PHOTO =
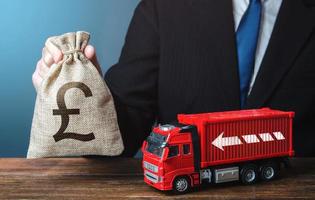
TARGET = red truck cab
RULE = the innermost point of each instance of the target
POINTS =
(168, 153)
(218, 147)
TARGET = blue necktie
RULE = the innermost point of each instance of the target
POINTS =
(246, 38)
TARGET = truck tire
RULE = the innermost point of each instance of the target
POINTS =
(269, 171)
(249, 174)
(181, 185)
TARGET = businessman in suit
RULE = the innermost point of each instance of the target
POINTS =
(193, 56)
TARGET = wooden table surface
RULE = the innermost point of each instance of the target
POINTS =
(121, 178)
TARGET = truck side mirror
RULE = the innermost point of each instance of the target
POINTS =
(165, 154)
(144, 144)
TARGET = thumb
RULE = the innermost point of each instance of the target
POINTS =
(90, 53)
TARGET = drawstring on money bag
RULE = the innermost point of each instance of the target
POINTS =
(71, 53)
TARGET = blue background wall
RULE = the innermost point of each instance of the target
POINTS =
(25, 25)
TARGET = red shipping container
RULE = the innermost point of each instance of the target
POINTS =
(236, 136)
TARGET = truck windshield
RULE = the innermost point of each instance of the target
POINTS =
(156, 144)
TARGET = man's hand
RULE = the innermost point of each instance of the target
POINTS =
(52, 56)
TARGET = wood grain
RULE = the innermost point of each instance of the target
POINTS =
(121, 178)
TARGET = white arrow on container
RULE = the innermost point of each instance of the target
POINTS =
(221, 142)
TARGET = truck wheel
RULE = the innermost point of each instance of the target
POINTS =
(269, 171)
(249, 174)
(181, 185)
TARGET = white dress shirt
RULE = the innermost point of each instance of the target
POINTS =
(270, 10)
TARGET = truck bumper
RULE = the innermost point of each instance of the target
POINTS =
(161, 185)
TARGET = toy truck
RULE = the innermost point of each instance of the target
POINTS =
(218, 147)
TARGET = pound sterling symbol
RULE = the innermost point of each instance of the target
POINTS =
(64, 113)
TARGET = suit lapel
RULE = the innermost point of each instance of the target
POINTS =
(228, 74)
(216, 18)
(292, 29)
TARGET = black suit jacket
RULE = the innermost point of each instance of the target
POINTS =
(180, 57)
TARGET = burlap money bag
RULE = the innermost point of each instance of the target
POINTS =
(74, 112)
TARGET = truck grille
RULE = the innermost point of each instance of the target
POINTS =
(150, 167)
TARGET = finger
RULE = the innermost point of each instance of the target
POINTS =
(55, 52)
(90, 53)
(41, 68)
(37, 80)
(47, 57)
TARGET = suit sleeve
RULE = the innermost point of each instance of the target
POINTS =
(133, 80)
